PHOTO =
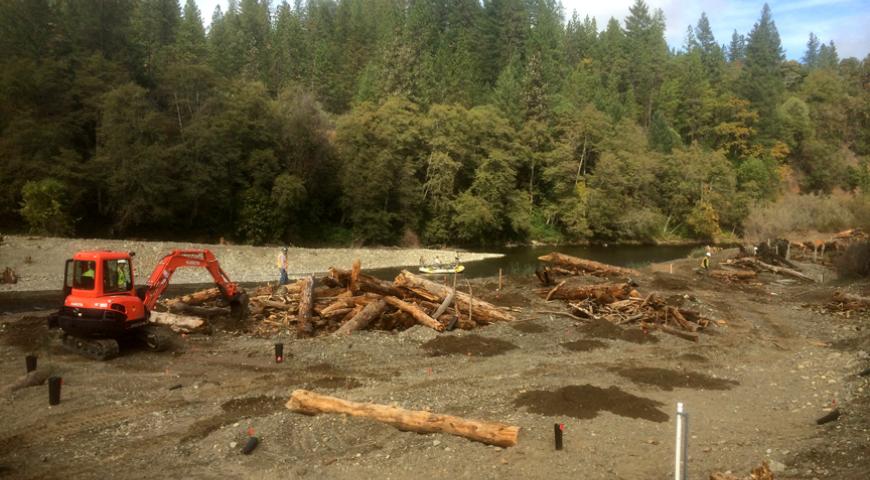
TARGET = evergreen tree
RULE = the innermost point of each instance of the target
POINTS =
(762, 79)
(712, 55)
(647, 53)
(737, 48)
(811, 57)
(828, 57)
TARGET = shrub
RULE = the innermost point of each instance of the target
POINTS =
(798, 214)
(44, 207)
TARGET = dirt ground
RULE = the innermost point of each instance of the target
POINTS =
(38, 261)
(753, 388)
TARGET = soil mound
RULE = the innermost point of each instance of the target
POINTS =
(585, 401)
(467, 345)
(670, 379)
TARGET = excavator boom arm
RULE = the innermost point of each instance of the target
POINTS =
(159, 279)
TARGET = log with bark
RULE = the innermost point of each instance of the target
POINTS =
(484, 312)
(306, 305)
(205, 312)
(419, 315)
(602, 293)
(195, 298)
(752, 262)
(731, 274)
(491, 433)
(180, 323)
(363, 282)
(363, 318)
(31, 379)
(580, 265)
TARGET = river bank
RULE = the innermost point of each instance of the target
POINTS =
(39, 261)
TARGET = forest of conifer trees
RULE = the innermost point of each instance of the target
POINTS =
(388, 121)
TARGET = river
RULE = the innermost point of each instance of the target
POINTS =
(524, 260)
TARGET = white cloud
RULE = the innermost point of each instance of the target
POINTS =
(843, 21)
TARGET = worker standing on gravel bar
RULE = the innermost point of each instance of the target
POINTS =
(705, 263)
(282, 267)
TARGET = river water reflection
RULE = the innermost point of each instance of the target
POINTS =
(524, 260)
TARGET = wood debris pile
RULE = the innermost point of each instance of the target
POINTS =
(815, 250)
(846, 304)
(349, 300)
(761, 472)
(622, 304)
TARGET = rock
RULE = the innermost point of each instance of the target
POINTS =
(776, 467)
(233, 444)
(419, 333)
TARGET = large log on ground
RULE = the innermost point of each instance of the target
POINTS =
(484, 312)
(491, 433)
(179, 323)
(731, 274)
(419, 315)
(196, 298)
(206, 312)
(36, 377)
(604, 294)
(781, 270)
(363, 318)
(306, 305)
(363, 282)
(587, 266)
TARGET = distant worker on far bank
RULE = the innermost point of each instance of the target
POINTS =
(705, 262)
(282, 267)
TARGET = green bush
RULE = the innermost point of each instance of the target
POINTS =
(541, 231)
(44, 207)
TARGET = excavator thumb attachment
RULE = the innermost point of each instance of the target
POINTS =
(239, 307)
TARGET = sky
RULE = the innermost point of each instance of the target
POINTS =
(846, 22)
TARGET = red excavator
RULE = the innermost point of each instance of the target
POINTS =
(102, 304)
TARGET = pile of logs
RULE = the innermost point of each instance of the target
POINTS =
(560, 264)
(349, 300)
(621, 304)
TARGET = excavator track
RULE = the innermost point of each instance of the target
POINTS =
(95, 348)
(155, 338)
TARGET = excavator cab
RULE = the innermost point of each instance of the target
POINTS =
(81, 274)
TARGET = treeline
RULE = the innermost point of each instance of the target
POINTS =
(385, 121)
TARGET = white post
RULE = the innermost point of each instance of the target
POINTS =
(680, 449)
